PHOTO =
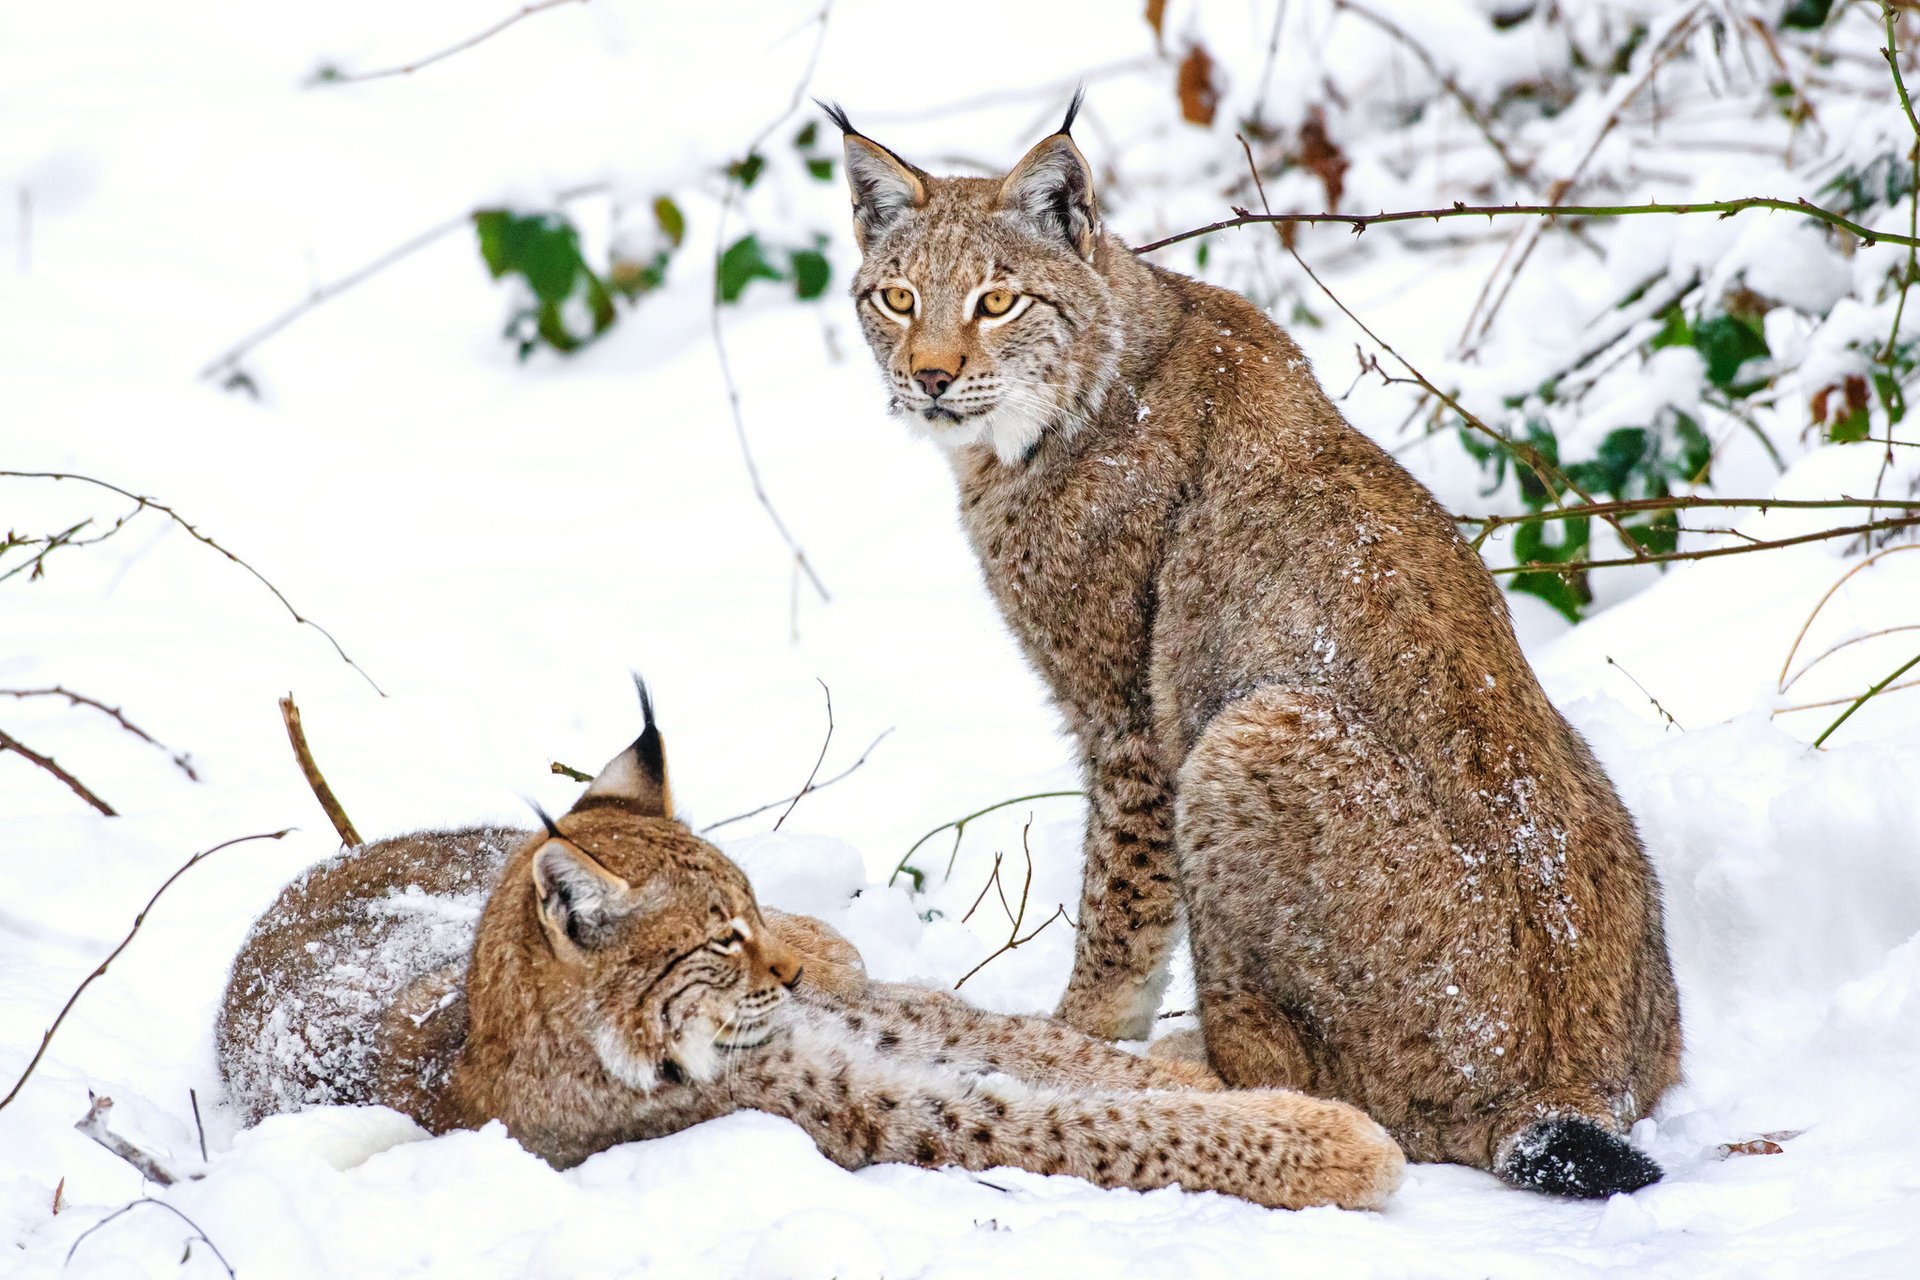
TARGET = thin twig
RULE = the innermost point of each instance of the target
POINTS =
(568, 771)
(138, 920)
(1891, 53)
(825, 742)
(1668, 715)
(1014, 941)
(316, 781)
(719, 336)
(1632, 506)
(94, 1125)
(1827, 595)
(959, 826)
(1837, 702)
(10, 743)
(162, 1204)
(1867, 697)
(1518, 169)
(180, 758)
(1709, 553)
(1849, 642)
(193, 1099)
(1361, 221)
(198, 536)
(359, 77)
(230, 358)
(822, 785)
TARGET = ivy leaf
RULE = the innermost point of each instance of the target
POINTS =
(742, 264)
(821, 167)
(673, 223)
(811, 273)
(1807, 15)
(808, 135)
(1726, 343)
(747, 172)
(543, 249)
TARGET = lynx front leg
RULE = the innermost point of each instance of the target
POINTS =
(1128, 902)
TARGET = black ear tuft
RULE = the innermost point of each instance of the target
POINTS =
(1073, 108)
(546, 819)
(649, 746)
(838, 114)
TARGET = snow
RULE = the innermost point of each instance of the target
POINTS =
(498, 544)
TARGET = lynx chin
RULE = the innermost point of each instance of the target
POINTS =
(1301, 710)
(623, 983)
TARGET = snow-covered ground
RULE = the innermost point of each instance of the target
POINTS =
(498, 544)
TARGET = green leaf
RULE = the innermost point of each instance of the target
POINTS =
(741, 265)
(1726, 343)
(1806, 15)
(821, 167)
(810, 273)
(673, 223)
(1200, 256)
(543, 249)
(1891, 397)
(1851, 428)
(1676, 332)
(807, 136)
(1555, 590)
(1696, 450)
(747, 172)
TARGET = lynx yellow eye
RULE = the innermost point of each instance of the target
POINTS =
(995, 302)
(898, 300)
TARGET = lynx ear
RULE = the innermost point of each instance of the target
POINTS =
(883, 185)
(1052, 190)
(579, 900)
(638, 775)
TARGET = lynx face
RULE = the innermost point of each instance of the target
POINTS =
(978, 296)
(661, 932)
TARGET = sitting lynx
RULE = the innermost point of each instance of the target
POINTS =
(1295, 688)
(624, 984)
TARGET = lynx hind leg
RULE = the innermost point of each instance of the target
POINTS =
(1129, 900)
(419, 1037)
(1319, 876)
(830, 964)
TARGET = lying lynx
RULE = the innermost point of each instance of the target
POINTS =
(1295, 688)
(624, 984)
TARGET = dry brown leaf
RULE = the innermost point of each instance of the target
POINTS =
(1751, 1147)
(1199, 97)
(1156, 18)
(1321, 156)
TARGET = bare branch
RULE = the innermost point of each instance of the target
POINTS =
(824, 744)
(331, 76)
(1667, 715)
(180, 758)
(94, 1125)
(1881, 687)
(316, 781)
(198, 536)
(1017, 916)
(138, 920)
(719, 337)
(198, 1234)
(10, 743)
(1710, 553)
(818, 786)
(568, 771)
(1827, 595)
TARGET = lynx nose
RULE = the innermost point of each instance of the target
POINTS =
(933, 381)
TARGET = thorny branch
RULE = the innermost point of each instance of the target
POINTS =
(113, 955)
(146, 502)
(719, 336)
(1359, 222)
(182, 759)
(1016, 916)
(10, 743)
(1571, 567)
(316, 781)
(331, 75)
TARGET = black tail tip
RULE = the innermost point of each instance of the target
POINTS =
(1571, 1156)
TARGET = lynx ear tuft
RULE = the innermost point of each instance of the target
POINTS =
(1052, 190)
(579, 900)
(638, 775)
(883, 186)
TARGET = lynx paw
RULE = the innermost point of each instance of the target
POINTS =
(1126, 1014)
